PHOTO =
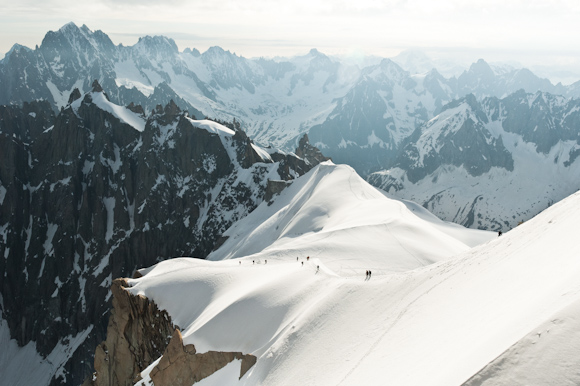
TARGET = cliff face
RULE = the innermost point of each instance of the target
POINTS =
(98, 191)
(138, 334)
(182, 366)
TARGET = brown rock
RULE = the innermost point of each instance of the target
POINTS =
(137, 334)
(189, 368)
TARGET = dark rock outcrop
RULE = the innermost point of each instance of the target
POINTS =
(85, 197)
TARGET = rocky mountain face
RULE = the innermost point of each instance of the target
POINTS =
(73, 57)
(368, 125)
(99, 190)
(493, 163)
(482, 81)
(385, 105)
(358, 115)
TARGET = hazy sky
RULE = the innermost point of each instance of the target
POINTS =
(531, 32)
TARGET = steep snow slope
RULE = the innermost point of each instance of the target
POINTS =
(328, 215)
(22, 366)
(450, 319)
(547, 355)
(434, 325)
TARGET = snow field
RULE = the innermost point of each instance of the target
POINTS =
(121, 112)
(416, 321)
(332, 214)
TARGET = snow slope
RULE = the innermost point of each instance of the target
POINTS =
(450, 318)
(22, 366)
(328, 215)
(436, 324)
(120, 112)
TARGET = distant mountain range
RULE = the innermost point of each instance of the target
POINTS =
(356, 115)
(366, 117)
(492, 163)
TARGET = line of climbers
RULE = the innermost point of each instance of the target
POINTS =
(367, 277)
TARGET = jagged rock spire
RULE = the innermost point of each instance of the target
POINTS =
(172, 108)
(76, 94)
(96, 86)
(309, 153)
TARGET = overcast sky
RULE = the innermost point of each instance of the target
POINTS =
(531, 32)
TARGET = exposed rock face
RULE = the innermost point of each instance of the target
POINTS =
(275, 187)
(308, 152)
(308, 156)
(182, 366)
(85, 198)
(461, 140)
(138, 334)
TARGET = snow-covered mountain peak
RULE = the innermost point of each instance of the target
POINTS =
(216, 54)
(329, 213)
(386, 71)
(17, 47)
(69, 28)
(322, 62)
(481, 67)
(414, 61)
(157, 47)
(480, 77)
(314, 52)
(98, 97)
(71, 49)
(314, 60)
(78, 37)
(192, 51)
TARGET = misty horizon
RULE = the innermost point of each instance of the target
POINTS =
(448, 61)
(539, 35)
